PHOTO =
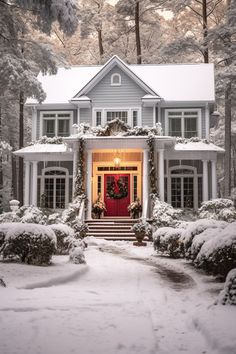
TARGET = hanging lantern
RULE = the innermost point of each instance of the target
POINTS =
(117, 161)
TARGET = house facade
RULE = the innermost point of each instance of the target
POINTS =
(82, 102)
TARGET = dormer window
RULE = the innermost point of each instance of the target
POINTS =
(115, 79)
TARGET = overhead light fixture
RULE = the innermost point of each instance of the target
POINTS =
(117, 159)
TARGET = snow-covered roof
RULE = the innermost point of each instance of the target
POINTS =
(177, 82)
(43, 148)
(197, 146)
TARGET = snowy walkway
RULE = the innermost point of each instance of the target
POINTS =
(120, 303)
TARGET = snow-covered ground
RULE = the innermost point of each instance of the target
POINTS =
(126, 300)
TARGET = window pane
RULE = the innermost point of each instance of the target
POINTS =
(122, 115)
(188, 192)
(63, 115)
(116, 79)
(49, 115)
(98, 118)
(176, 192)
(135, 118)
(49, 127)
(60, 193)
(48, 190)
(63, 127)
(190, 127)
(175, 127)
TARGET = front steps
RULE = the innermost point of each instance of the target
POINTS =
(115, 229)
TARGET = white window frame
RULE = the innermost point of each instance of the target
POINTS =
(112, 80)
(56, 118)
(66, 176)
(117, 109)
(199, 120)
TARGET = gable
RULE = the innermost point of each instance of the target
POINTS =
(128, 94)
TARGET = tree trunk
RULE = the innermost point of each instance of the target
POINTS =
(100, 45)
(205, 31)
(137, 34)
(1, 171)
(21, 145)
(228, 119)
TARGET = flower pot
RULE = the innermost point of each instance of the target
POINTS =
(140, 236)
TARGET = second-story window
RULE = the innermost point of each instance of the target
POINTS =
(56, 124)
(183, 123)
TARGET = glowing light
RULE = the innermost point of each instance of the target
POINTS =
(117, 161)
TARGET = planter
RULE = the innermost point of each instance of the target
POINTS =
(140, 236)
(14, 205)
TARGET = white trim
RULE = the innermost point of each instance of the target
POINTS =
(66, 176)
(104, 111)
(34, 123)
(182, 110)
(195, 176)
(56, 118)
(207, 120)
(112, 79)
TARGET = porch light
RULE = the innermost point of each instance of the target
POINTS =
(117, 161)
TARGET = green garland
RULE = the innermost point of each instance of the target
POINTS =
(151, 162)
(80, 176)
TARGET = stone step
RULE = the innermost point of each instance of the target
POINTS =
(113, 234)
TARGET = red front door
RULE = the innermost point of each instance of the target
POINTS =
(116, 194)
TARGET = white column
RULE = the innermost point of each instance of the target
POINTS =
(27, 183)
(205, 180)
(161, 174)
(34, 182)
(207, 119)
(213, 179)
(75, 161)
(145, 183)
(154, 115)
(34, 123)
(89, 183)
(78, 115)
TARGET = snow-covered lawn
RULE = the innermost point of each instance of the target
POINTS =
(126, 300)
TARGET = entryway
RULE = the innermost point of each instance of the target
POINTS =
(116, 194)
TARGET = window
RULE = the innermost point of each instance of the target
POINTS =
(55, 187)
(115, 79)
(56, 124)
(98, 118)
(135, 118)
(122, 115)
(183, 123)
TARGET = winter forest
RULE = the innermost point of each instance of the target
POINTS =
(43, 35)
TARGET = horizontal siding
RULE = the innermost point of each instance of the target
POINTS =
(147, 116)
(203, 123)
(86, 115)
(128, 94)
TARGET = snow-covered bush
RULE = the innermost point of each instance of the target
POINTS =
(32, 215)
(196, 228)
(29, 243)
(228, 294)
(54, 218)
(77, 255)
(9, 217)
(3, 231)
(164, 214)
(218, 255)
(218, 209)
(80, 229)
(166, 240)
(200, 239)
(70, 214)
(65, 238)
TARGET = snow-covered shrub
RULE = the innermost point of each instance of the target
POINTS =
(70, 214)
(32, 215)
(164, 214)
(195, 228)
(218, 209)
(200, 239)
(77, 255)
(166, 240)
(29, 243)
(228, 294)
(3, 231)
(54, 218)
(218, 255)
(9, 217)
(65, 238)
(80, 229)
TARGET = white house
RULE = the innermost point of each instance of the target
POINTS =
(179, 97)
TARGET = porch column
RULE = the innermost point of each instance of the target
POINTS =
(34, 182)
(27, 183)
(161, 174)
(75, 161)
(89, 183)
(205, 181)
(145, 184)
(213, 179)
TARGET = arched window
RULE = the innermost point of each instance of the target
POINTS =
(115, 79)
(55, 187)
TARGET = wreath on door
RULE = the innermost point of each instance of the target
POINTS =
(117, 190)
